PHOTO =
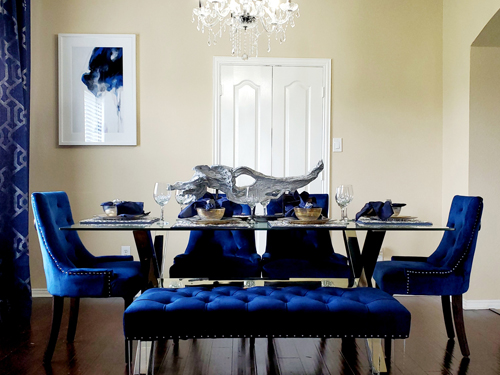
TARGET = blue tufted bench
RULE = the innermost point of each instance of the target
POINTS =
(265, 312)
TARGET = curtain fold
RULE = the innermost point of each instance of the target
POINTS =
(15, 285)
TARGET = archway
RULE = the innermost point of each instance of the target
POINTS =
(484, 136)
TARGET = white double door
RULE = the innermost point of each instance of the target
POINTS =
(273, 115)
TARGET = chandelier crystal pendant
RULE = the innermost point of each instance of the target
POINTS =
(246, 21)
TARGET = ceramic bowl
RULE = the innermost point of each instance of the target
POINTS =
(307, 214)
(110, 210)
(213, 214)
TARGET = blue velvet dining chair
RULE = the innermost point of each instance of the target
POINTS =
(72, 271)
(446, 272)
(302, 253)
(219, 254)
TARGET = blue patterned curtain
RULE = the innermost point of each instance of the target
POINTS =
(15, 288)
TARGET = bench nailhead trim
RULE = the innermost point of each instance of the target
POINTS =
(153, 338)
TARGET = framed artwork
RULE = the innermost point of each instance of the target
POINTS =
(97, 90)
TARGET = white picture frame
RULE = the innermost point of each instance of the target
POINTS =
(97, 90)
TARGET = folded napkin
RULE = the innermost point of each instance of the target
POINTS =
(126, 209)
(382, 210)
(302, 200)
(208, 202)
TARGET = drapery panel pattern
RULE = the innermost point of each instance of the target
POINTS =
(15, 286)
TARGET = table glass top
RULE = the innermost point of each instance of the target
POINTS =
(183, 225)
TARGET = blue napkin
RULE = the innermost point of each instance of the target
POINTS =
(127, 209)
(208, 202)
(380, 209)
(302, 200)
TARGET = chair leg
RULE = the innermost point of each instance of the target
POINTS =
(73, 319)
(448, 320)
(57, 310)
(458, 315)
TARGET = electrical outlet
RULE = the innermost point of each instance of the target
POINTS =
(125, 250)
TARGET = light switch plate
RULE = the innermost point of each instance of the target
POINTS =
(337, 144)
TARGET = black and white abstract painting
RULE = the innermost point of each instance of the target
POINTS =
(97, 90)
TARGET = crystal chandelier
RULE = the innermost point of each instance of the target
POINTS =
(246, 21)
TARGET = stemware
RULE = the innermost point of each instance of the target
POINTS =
(184, 200)
(264, 204)
(161, 195)
(344, 195)
(251, 199)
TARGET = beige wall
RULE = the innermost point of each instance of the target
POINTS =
(463, 21)
(484, 167)
(386, 105)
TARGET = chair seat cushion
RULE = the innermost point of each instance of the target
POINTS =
(422, 278)
(127, 277)
(334, 266)
(265, 311)
(215, 267)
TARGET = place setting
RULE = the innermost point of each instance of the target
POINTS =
(387, 213)
(119, 212)
(211, 210)
(303, 210)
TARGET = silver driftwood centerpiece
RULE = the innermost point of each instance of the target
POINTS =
(223, 178)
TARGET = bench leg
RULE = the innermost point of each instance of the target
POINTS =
(376, 355)
(144, 357)
(128, 355)
(388, 347)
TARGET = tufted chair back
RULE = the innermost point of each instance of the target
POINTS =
(298, 253)
(299, 243)
(234, 243)
(456, 249)
(218, 254)
(61, 250)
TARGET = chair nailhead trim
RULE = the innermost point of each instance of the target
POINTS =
(409, 272)
(107, 273)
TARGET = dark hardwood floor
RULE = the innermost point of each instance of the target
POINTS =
(99, 347)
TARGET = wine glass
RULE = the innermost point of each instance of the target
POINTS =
(162, 196)
(264, 204)
(344, 196)
(184, 199)
(252, 198)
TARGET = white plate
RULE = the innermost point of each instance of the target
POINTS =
(305, 222)
(115, 218)
(227, 220)
(401, 218)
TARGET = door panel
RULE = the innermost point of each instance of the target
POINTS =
(298, 122)
(245, 117)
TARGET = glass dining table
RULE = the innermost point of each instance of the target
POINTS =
(362, 259)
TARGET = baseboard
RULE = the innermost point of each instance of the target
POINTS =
(485, 304)
(43, 293)
(40, 292)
